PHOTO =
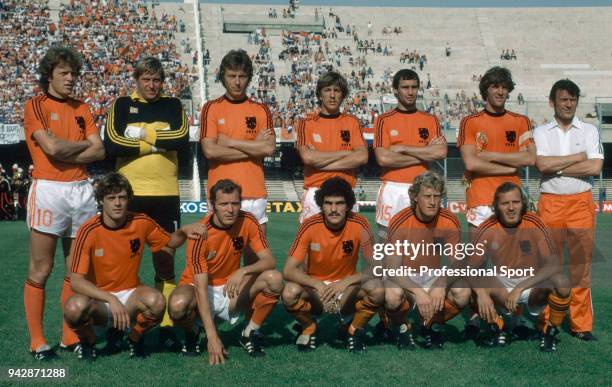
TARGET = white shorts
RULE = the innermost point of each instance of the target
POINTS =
(122, 296)
(59, 208)
(476, 215)
(310, 207)
(219, 305)
(257, 207)
(511, 283)
(392, 198)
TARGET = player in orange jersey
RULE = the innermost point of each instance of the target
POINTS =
(330, 143)
(105, 264)
(494, 143)
(237, 134)
(215, 286)
(406, 140)
(515, 239)
(62, 138)
(438, 232)
(328, 280)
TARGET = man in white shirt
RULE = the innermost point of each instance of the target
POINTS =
(569, 154)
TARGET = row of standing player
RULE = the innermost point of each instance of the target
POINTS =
(145, 130)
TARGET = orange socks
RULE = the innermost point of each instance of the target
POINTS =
(558, 308)
(69, 337)
(263, 304)
(34, 302)
(143, 324)
(364, 311)
(301, 312)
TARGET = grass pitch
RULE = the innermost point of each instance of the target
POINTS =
(521, 363)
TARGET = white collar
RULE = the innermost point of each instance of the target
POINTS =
(576, 123)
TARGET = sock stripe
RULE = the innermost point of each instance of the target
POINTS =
(29, 282)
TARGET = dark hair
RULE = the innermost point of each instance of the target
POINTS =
(567, 85)
(495, 76)
(151, 65)
(236, 60)
(405, 75)
(329, 79)
(112, 183)
(505, 188)
(336, 186)
(55, 56)
(226, 186)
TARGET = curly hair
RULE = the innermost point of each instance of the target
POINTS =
(336, 186)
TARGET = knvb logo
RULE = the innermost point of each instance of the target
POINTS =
(424, 134)
(80, 122)
(510, 137)
(134, 247)
(238, 243)
(345, 135)
(348, 247)
(251, 124)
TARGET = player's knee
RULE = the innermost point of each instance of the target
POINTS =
(274, 281)
(562, 285)
(155, 302)
(291, 293)
(375, 292)
(460, 296)
(393, 298)
(178, 307)
(74, 309)
(39, 271)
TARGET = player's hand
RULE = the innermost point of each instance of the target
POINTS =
(437, 295)
(512, 299)
(486, 308)
(121, 317)
(265, 134)
(332, 291)
(232, 286)
(134, 133)
(195, 231)
(423, 301)
(216, 351)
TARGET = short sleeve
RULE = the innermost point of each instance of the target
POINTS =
(358, 135)
(539, 138)
(81, 254)
(381, 136)
(156, 238)
(33, 118)
(525, 134)
(467, 135)
(90, 125)
(197, 251)
(256, 236)
(594, 147)
(208, 125)
(301, 244)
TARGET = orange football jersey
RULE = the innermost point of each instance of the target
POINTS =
(68, 120)
(219, 254)
(414, 128)
(505, 132)
(110, 258)
(242, 120)
(329, 133)
(332, 255)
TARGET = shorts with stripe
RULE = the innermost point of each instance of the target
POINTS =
(59, 208)
(392, 198)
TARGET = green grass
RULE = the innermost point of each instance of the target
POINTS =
(574, 363)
